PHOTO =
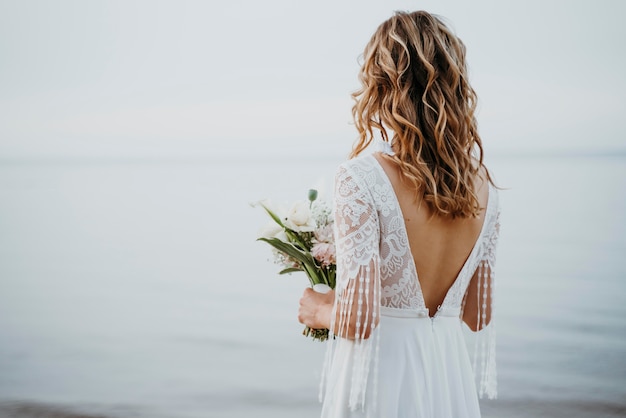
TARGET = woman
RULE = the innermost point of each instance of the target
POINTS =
(416, 230)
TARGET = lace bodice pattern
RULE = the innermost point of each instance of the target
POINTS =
(363, 186)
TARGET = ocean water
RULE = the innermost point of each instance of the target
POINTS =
(136, 289)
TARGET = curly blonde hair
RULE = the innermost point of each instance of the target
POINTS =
(415, 83)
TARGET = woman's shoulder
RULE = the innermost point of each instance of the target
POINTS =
(359, 167)
(357, 177)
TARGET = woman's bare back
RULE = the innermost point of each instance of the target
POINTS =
(440, 246)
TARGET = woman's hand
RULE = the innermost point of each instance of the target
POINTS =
(316, 308)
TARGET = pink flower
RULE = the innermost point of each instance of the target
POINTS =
(324, 234)
(324, 252)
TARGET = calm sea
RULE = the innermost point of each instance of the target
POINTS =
(137, 289)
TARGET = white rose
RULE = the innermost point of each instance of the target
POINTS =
(299, 218)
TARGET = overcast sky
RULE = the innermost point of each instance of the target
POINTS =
(185, 78)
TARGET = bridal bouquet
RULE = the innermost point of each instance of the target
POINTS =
(302, 240)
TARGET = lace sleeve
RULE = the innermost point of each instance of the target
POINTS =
(357, 241)
(357, 297)
(478, 313)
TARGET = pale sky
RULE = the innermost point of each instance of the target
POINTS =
(196, 78)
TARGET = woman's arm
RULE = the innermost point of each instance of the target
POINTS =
(351, 311)
(478, 298)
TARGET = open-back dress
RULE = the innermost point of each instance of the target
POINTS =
(413, 364)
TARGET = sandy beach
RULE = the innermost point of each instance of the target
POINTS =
(494, 409)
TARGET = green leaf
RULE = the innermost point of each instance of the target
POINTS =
(295, 237)
(287, 248)
(305, 258)
(289, 270)
(313, 272)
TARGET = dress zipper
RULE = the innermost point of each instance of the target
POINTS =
(432, 318)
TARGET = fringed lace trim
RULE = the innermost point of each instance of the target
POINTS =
(484, 353)
(484, 364)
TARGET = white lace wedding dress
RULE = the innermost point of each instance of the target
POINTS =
(412, 365)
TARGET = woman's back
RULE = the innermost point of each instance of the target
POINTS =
(439, 245)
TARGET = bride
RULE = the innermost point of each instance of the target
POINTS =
(416, 230)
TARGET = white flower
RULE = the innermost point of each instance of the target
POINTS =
(271, 230)
(322, 213)
(281, 235)
(299, 218)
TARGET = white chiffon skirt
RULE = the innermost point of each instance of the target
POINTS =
(423, 371)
